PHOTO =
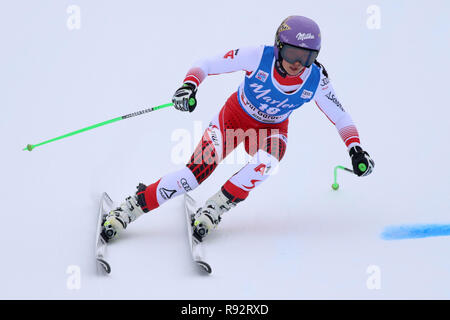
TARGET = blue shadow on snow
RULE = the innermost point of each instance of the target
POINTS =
(415, 231)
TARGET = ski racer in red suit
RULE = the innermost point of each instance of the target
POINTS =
(279, 79)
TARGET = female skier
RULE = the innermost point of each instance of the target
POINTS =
(279, 79)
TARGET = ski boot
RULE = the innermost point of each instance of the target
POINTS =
(208, 217)
(118, 219)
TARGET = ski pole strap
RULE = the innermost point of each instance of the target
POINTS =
(30, 147)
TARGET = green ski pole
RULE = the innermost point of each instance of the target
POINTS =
(30, 147)
(335, 185)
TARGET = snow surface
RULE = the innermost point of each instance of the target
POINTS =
(294, 238)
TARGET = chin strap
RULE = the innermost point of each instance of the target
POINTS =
(317, 63)
(280, 69)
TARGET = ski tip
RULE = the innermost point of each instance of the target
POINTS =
(105, 265)
(206, 267)
(106, 197)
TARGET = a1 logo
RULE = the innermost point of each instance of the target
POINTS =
(231, 54)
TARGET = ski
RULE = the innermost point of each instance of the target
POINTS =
(106, 205)
(194, 245)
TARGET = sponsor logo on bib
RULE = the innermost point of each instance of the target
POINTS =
(261, 75)
(306, 94)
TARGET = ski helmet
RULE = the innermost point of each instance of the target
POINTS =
(297, 39)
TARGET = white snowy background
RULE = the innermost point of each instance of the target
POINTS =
(294, 238)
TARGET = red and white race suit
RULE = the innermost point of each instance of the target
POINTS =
(265, 142)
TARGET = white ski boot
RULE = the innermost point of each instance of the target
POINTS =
(118, 219)
(208, 217)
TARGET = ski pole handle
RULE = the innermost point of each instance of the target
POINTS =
(30, 147)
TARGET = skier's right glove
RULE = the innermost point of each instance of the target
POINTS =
(361, 161)
(184, 98)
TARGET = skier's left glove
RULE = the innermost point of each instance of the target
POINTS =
(184, 98)
(361, 161)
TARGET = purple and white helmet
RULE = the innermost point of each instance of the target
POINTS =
(300, 32)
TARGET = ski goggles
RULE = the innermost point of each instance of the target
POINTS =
(293, 54)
